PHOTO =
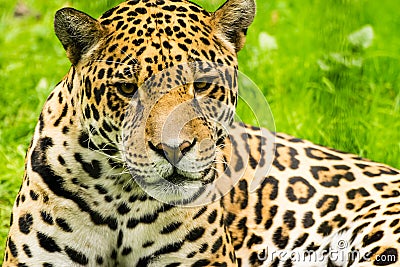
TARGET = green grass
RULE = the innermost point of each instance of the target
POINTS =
(355, 109)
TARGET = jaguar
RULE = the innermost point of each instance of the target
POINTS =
(137, 160)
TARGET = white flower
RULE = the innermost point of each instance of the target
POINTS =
(267, 42)
(362, 37)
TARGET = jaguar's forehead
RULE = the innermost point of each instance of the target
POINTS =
(159, 34)
(155, 9)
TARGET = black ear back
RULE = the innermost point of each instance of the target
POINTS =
(77, 31)
(233, 19)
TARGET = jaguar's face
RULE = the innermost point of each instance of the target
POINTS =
(158, 80)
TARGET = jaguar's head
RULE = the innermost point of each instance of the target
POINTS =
(158, 80)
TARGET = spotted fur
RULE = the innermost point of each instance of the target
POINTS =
(101, 127)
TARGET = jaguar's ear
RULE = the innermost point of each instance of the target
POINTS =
(77, 31)
(232, 20)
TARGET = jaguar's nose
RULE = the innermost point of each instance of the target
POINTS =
(172, 153)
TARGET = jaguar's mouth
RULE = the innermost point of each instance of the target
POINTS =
(178, 178)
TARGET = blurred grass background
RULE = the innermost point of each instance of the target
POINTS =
(320, 84)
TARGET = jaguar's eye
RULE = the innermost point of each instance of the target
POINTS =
(126, 89)
(201, 85)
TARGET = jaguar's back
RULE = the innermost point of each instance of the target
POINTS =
(136, 160)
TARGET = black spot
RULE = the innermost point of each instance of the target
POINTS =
(212, 217)
(308, 220)
(99, 260)
(141, 50)
(300, 241)
(170, 228)
(200, 212)
(279, 239)
(114, 254)
(325, 229)
(320, 155)
(88, 87)
(76, 256)
(272, 212)
(34, 196)
(351, 194)
(12, 247)
(93, 168)
(254, 239)
(201, 263)
(243, 186)
(126, 251)
(369, 239)
(27, 250)
(169, 8)
(394, 223)
(289, 219)
(149, 218)
(123, 209)
(183, 47)
(191, 254)
(132, 223)
(171, 248)
(100, 74)
(332, 200)
(340, 219)
(255, 259)
(230, 217)
(166, 45)
(25, 223)
(120, 238)
(100, 189)
(61, 160)
(367, 203)
(195, 18)
(65, 130)
(133, 2)
(98, 93)
(290, 190)
(333, 177)
(46, 217)
(108, 13)
(47, 243)
(148, 244)
(269, 182)
(141, 10)
(195, 234)
(95, 112)
(216, 246)
(63, 114)
(379, 223)
(63, 225)
(393, 194)
(203, 248)
(85, 141)
(45, 143)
